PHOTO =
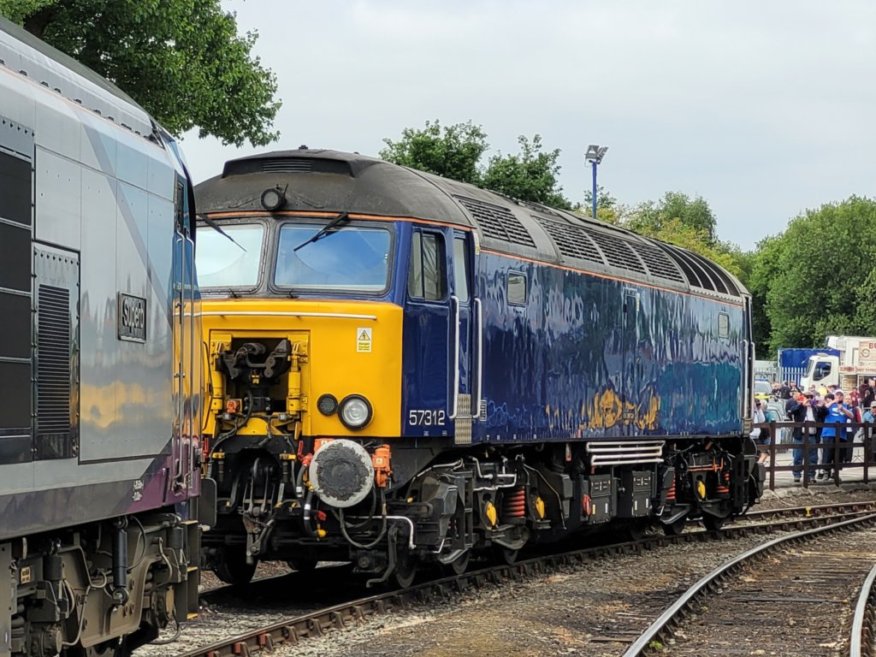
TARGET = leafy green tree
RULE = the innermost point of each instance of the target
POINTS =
(182, 60)
(530, 175)
(452, 152)
(603, 199)
(693, 213)
(819, 269)
(764, 270)
(865, 316)
(608, 209)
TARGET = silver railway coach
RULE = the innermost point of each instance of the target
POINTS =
(99, 472)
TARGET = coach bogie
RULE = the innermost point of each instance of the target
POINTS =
(74, 589)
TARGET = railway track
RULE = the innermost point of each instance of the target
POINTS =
(862, 641)
(303, 622)
(266, 587)
(788, 596)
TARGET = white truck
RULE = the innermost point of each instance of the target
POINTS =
(855, 363)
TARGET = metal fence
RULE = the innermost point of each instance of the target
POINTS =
(854, 457)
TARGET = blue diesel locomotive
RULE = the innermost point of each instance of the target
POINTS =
(99, 467)
(404, 368)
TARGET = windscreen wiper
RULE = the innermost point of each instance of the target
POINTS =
(330, 227)
(212, 224)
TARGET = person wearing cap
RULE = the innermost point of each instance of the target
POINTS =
(870, 414)
(838, 413)
(800, 409)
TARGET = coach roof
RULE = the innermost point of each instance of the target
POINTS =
(23, 53)
(333, 181)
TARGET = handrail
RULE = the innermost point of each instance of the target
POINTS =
(455, 318)
(479, 367)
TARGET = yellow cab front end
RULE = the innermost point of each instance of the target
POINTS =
(302, 356)
(336, 350)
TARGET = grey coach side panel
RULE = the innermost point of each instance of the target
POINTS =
(102, 227)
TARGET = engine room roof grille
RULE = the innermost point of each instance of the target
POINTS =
(571, 240)
(497, 222)
(618, 253)
(689, 268)
(723, 282)
(658, 263)
(702, 273)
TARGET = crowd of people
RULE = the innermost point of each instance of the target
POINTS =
(827, 418)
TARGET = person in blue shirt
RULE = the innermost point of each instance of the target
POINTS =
(870, 415)
(838, 412)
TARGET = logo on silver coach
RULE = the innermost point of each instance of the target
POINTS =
(132, 318)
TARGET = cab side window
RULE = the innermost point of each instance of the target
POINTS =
(427, 276)
(516, 290)
(460, 269)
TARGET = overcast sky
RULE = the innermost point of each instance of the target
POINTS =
(764, 108)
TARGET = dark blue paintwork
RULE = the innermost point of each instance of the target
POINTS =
(586, 357)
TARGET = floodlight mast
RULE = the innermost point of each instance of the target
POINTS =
(594, 155)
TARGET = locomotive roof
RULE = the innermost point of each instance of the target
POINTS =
(23, 53)
(333, 181)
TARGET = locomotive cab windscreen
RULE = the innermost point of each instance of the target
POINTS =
(308, 256)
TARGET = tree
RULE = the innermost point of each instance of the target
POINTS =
(687, 223)
(453, 152)
(865, 298)
(530, 175)
(182, 60)
(819, 268)
(764, 270)
(692, 213)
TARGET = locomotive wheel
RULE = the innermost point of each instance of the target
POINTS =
(302, 564)
(635, 530)
(713, 523)
(405, 569)
(675, 528)
(233, 569)
(459, 565)
(505, 555)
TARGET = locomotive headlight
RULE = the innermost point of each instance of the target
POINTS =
(355, 411)
(273, 199)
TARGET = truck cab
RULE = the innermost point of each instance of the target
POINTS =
(847, 361)
(821, 370)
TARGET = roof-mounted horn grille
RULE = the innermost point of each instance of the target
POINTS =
(285, 165)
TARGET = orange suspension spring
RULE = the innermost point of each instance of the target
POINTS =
(670, 494)
(515, 503)
(723, 486)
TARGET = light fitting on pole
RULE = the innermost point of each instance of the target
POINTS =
(595, 153)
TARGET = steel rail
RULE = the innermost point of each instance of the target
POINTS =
(809, 509)
(343, 615)
(815, 510)
(668, 618)
(861, 644)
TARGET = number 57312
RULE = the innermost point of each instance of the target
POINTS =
(426, 417)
